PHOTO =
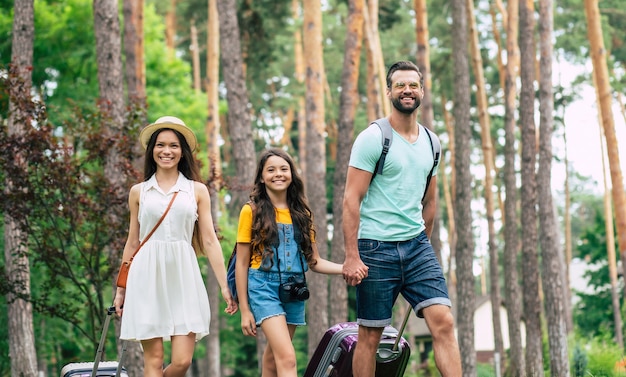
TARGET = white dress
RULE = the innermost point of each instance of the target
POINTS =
(165, 292)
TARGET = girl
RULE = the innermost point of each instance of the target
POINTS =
(275, 235)
(165, 297)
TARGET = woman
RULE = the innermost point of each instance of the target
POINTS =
(165, 297)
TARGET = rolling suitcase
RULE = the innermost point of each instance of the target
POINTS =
(97, 368)
(333, 356)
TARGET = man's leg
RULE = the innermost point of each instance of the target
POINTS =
(441, 325)
(364, 359)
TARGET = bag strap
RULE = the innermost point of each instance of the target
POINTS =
(156, 226)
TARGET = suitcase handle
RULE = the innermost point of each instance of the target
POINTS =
(100, 351)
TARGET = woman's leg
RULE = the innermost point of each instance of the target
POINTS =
(182, 354)
(279, 359)
(152, 357)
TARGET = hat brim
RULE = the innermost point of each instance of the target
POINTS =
(149, 130)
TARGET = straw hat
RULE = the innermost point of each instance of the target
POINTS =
(172, 123)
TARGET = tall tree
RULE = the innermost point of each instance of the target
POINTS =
(375, 91)
(212, 131)
(530, 266)
(603, 89)
(511, 234)
(610, 249)
(463, 194)
(111, 107)
(17, 269)
(239, 126)
(552, 261)
(488, 159)
(315, 173)
(134, 52)
(348, 102)
(422, 59)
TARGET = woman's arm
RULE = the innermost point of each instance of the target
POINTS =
(132, 241)
(211, 244)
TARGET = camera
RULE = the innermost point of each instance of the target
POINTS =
(294, 289)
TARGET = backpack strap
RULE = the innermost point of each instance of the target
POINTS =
(435, 145)
(387, 139)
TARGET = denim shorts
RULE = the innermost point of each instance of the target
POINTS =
(409, 268)
(264, 302)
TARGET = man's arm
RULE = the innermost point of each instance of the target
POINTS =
(357, 183)
(429, 206)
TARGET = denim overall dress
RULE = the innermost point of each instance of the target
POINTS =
(263, 282)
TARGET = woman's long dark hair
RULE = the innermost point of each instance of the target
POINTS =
(264, 227)
(187, 165)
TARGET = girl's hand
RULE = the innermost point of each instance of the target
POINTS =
(248, 325)
(119, 301)
(231, 305)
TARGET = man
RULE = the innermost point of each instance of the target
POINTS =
(386, 225)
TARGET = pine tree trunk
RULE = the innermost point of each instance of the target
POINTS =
(111, 106)
(375, 107)
(530, 267)
(463, 195)
(610, 248)
(552, 260)
(603, 87)
(511, 234)
(348, 102)
(488, 158)
(315, 174)
(239, 126)
(170, 27)
(300, 78)
(21, 340)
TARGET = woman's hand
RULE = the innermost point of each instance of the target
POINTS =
(248, 325)
(119, 300)
(231, 304)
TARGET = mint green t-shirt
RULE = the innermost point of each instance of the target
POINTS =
(392, 207)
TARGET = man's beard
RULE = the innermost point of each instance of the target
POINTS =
(404, 109)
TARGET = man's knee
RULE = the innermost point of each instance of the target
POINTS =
(440, 321)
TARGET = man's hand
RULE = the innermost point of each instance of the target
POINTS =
(354, 270)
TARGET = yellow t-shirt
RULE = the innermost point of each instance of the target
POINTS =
(244, 231)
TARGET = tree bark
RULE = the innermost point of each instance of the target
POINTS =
(603, 88)
(21, 340)
(195, 56)
(530, 269)
(300, 78)
(170, 27)
(111, 107)
(553, 274)
(488, 158)
(315, 174)
(212, 129)
(422, 59)
(239, 126)
(511, 234)
(463, 195)
(348, 102)
(375, 93)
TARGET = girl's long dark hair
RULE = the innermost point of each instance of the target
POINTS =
(264, 228)
(187, 165)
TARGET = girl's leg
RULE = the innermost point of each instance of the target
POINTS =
(152, 357)
(279, 358)
(182, 354)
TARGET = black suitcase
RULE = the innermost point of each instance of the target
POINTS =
(97, 368)
(333, 355)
